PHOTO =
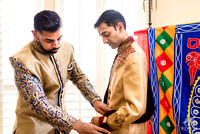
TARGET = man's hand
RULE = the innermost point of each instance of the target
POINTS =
(88, 128)
(101, 107)
(102, 121)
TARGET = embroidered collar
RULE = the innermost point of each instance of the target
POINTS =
(125, 45)
(36, 47)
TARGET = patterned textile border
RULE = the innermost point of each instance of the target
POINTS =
(154, 80)
(174, 53)
(163, 58)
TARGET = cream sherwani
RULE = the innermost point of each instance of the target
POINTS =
(41, 82)
(127, 90)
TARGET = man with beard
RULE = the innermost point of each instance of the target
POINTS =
(42, 69)
(126, 93)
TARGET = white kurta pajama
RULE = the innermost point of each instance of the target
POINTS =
(127, 89)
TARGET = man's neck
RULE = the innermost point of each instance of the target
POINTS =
(125, 36)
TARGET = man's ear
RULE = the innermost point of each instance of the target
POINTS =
(120, 26)
(34, 35)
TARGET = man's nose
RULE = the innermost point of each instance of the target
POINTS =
(55, 44)
(105, 40)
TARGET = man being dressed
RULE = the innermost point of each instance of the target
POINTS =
(127, 88)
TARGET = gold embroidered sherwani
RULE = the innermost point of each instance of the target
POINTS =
(41, 82)
(127, 89)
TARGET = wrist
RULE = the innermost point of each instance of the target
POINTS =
(96, 100)
(75, 126)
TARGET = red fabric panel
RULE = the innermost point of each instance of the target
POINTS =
(142, 40)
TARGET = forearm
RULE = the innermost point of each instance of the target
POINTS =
(44, 107)
(82, 83)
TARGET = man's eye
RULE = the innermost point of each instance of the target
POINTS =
(48, 41)
(106, 35)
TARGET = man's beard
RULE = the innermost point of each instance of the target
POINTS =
(47, 51)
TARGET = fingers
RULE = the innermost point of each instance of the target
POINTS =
(104, 108)
(101, 107)
(101, 111)
(102, 130)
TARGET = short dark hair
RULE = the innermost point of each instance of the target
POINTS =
(111, 18)
(47, 20)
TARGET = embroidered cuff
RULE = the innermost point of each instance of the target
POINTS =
(110, 121)
(115, 121)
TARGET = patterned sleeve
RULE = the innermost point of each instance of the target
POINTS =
(32, 92)
(82, 82)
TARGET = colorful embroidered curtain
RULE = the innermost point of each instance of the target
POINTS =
(174, 60)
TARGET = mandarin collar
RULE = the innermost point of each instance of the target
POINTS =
(37, 47)
(125, 45)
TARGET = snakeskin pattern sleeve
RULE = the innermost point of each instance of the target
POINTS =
(82, 82)
(32, 92)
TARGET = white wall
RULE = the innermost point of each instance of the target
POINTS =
(172, 12)
(0, 67)
(49, 4)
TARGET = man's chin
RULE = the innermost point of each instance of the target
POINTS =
(53, 51)
(112, 47)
